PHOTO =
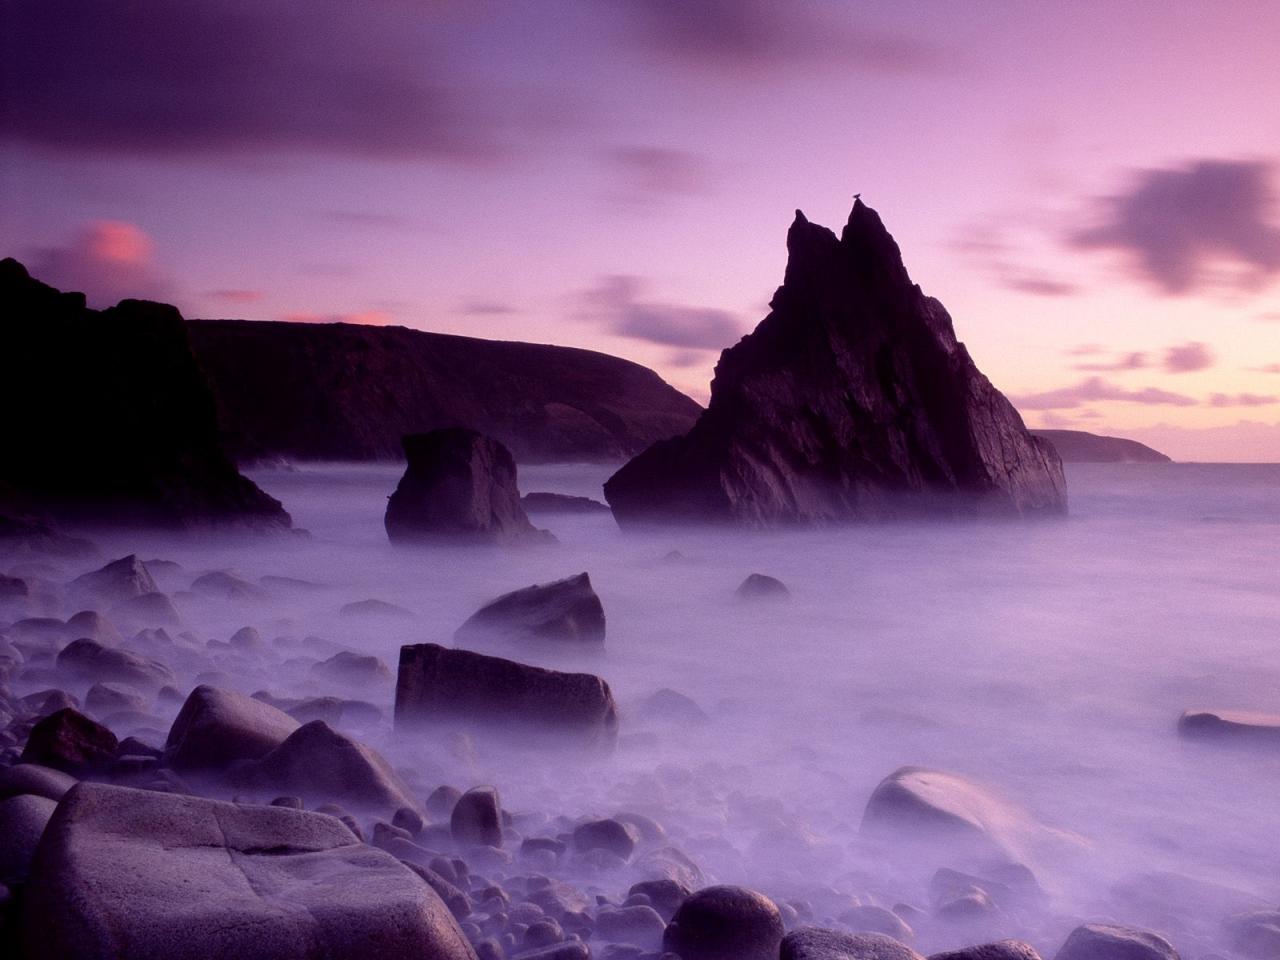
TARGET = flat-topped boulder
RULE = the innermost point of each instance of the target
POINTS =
(1234, 725)
(150, 876)
(1102, 941)
(565, 610)
(816, 943)
(216, 728)
(459, 486)
(851, 401)
(437, 684)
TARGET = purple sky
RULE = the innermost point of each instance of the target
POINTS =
(1089, 187)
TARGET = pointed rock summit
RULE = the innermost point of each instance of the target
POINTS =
(851, 401)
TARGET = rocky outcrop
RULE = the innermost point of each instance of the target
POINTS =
(1078, 446)
(1232, 725)
(459, 486)
(347, 392)
(851, 401)
(725, 923)
(565, 610)
(438, 685)
(129, 435)
(147, 875)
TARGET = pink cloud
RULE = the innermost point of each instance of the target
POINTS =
(236, 296)
(1097, 389)
(1188, 358)
(1125, 361)
(109, 261)
(1242, 400)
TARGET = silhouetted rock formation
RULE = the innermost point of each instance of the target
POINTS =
(109, 418)
(541, 502)
(566, 610)
(458, 486)
(436, 684)
(348, 392)
(851, 401)
(1077, 446)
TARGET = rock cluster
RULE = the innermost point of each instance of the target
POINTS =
(851, 401)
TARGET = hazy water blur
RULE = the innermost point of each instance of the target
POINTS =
(1048, 659)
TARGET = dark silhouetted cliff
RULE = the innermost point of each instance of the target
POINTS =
(347, 392)
(1078, 446)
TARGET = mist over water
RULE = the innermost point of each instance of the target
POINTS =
(1047, 660)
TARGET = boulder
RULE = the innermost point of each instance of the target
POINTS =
(476, 819)
(613, 835)
(216, 728)
(851, 401)
(458, 486)
(1255, 934)
(540, 502)
(227, 586)
(90, 660)
(15, 588)
(929, 808)
(725, 923)
(22, 822)
(320, 764)
(151, 876)
(119, 580)
(566, 610)
(374, 608)
(813, 943)
(34, 779)
(71, 742)
(639, 925)
(1099, 941)
(759, 586)
(1000, 950)
(665, 896)
(91, 624)
(1230, 725)
(348, 667)
(130, 435)
(671, 706)
(437, 684)
(867, 918)
(105, 698)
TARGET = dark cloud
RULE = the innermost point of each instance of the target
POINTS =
(763, 36)
(1188, 358)
(158, 77)
(1179, 226)
(988, 249)
(107, 260)
(1096, 389)
(1125, 361)
(645, 173)
(619, 303)
(1242, 400)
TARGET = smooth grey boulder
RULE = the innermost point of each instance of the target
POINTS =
(725, 923)
(914, 806)
(813, 943)
(348, 667)
(89, 660)
(1230, 725)
(665, 896)
(436, 684)
(612, 835)
(1100, 941)
(1255, 934)
(760, 586)
(458, 486)
(118, 580)
(22, 822)
(868, 918)
(34, 779)
(216, 728)
(671, 706)
(152, 876)
(851, 401)
(92, 624)
(565, 610)
(476, 819)
(321, 765)
(641, 926)
(107, 697)
(1000, 950)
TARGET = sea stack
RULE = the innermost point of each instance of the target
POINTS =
(851, 401)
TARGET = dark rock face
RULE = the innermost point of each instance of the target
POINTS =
(1100, 941)
(851, 401)
(813, 943)
(566, 610)
(71, 742)
(476, 819)
(348, 392)
(1078, 446)
(143, 874)
(459, 486)
(437, 684)
(130, 434)
(725, 923)
(123, 579)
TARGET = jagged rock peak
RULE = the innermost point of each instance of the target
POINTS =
(851, 401)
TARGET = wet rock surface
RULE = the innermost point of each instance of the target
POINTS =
(567, 611)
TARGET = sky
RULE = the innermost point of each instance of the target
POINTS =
(1090, 188)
